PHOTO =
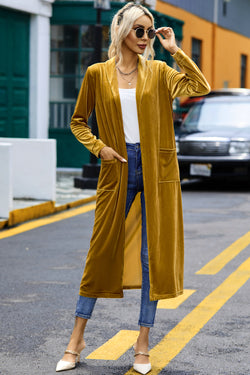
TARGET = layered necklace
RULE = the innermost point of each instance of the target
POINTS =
(125, 76)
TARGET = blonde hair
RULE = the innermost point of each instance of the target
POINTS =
(121, 25)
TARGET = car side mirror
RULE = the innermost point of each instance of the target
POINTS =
(177, 122)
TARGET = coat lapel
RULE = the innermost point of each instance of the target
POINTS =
(113, 82)
(118, 123)
(141, 81)
(112, 79)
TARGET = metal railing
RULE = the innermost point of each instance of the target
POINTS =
(60, 114)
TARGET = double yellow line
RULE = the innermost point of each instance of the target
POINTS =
(169, 347)
(180, 335)
(216, 264)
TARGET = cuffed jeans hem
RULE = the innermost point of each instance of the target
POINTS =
(82, 316)
(149, 325)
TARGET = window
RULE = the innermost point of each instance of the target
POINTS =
(225, 7)
(72, 49)
(196, 51)
(243, 70)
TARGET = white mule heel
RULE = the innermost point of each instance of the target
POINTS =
(142, 368)
(65, 365)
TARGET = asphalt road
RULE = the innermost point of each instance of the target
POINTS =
(207, 334)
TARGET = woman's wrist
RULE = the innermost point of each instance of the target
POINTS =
(100, 152)
(173, 50)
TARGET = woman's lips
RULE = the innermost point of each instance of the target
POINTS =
(142, 46)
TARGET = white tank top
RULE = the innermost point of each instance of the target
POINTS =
(129, 115)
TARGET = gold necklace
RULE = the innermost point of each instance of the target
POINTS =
(131, 78)
(127, 74)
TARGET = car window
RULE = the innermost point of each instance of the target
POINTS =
(206, 115)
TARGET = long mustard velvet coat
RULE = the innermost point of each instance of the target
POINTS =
(113, 261)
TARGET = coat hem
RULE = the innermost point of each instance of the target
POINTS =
(101, 295)
(155, 296)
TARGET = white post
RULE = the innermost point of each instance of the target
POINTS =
(39, 76)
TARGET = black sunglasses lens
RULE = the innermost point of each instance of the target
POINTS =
(139, 32)
(151, 33)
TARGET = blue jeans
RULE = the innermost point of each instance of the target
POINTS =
(85, 305)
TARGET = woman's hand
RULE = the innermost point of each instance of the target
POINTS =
(167, 38)
(107, 153)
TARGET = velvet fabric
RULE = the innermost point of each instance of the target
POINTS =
(113, 261)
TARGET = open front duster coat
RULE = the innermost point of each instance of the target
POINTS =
(113, 261)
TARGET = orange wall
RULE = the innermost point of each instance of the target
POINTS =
(221, 48)
(229, 47)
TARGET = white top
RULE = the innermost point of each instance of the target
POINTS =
(129, 115)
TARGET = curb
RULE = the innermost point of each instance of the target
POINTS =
(21, 215)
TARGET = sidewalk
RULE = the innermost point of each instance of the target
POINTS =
(66, 197)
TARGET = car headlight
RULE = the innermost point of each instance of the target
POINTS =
(239, 147)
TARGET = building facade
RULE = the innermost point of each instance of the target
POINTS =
(24, 68)
(73, 49)
(216, 34)
(46, 46)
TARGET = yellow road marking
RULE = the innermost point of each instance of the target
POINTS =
(216, 264)
(115, 347)
(173, 303)
(178, 337)
(49, 220)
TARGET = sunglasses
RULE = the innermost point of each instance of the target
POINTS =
(140, 31)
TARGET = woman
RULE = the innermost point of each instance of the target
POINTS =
(137, 240)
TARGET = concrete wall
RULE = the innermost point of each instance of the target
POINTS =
(6, 191)
(33, 168)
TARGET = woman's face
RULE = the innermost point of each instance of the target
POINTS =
(134, 44)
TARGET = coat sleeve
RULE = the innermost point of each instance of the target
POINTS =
(190, 83)
(79, 121)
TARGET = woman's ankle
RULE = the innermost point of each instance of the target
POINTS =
(143, 339)
(76, 339)
(76, 344)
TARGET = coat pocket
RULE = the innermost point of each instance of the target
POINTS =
(108, 177)
(168, 165)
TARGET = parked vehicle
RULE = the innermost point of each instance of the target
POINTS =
(185, 106)
(214, 139)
